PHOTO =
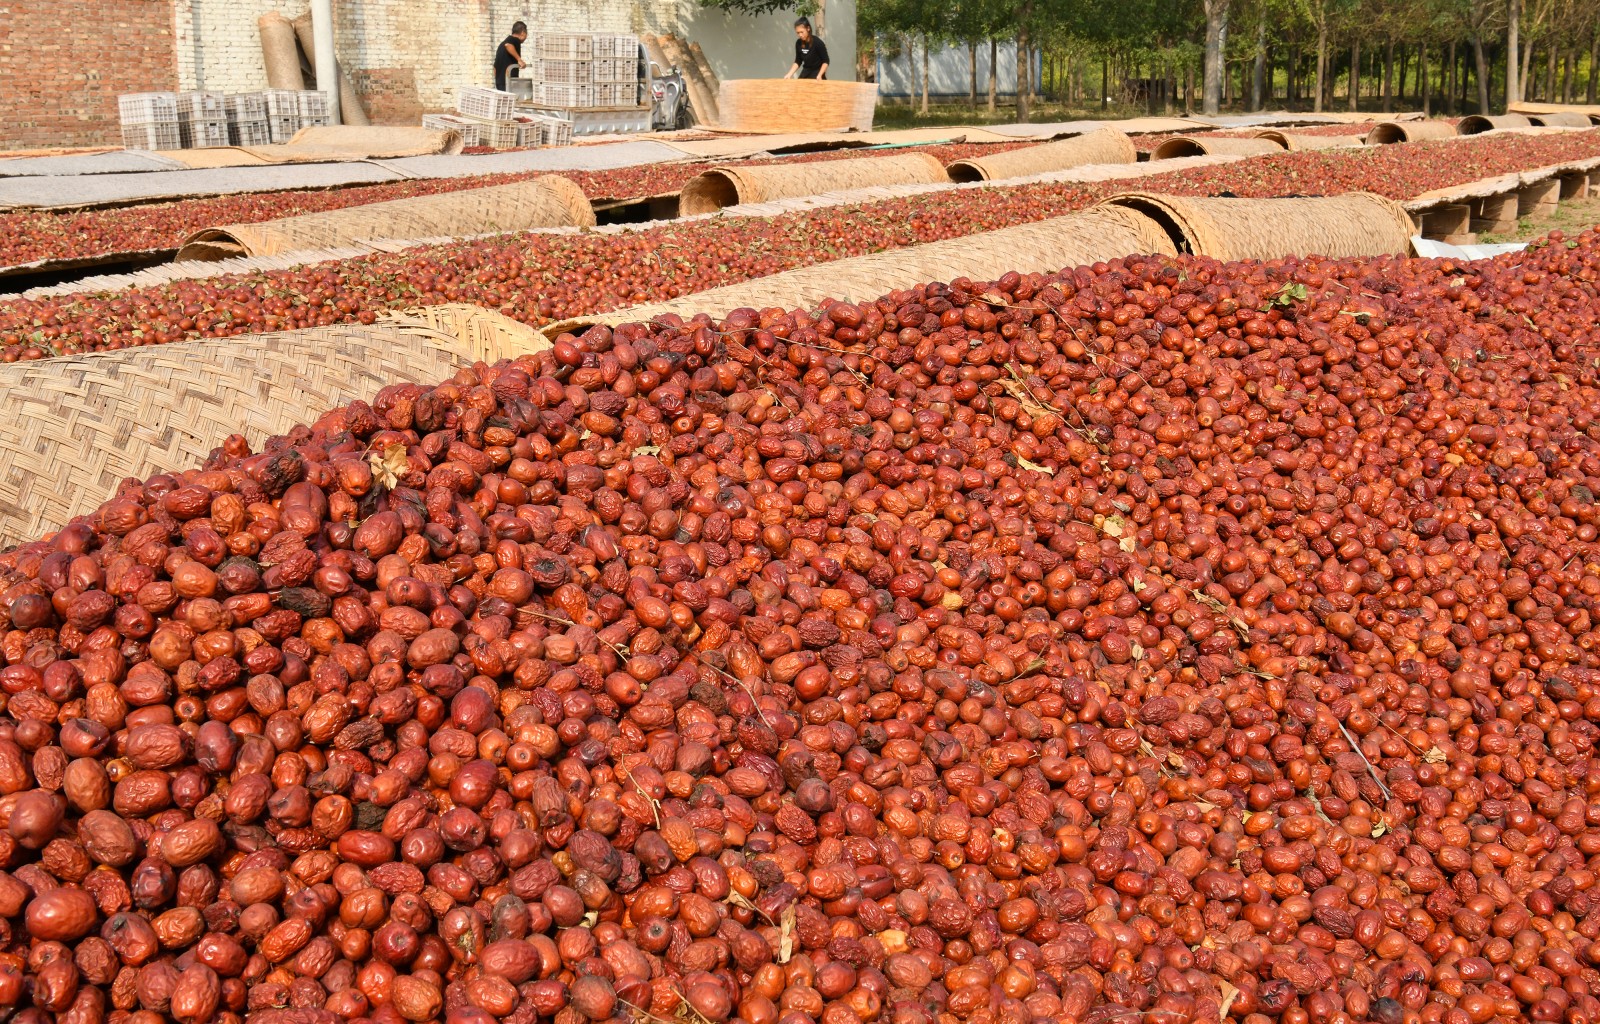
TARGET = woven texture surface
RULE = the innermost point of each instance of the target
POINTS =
(702, 97)
(1477, 124)
(1527, 107)
(1390, 132)
(795, 105)
(279, 51)
(1106, 146)
(1295, 143)
(733, 185)
(80, 425)
(1076, 239)
(1497, 185)
(1205, 145)
(544, 202)
(1561, 119)
(1353, 224)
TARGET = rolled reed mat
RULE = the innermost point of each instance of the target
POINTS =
(1297, 143)
(1390, 132)
(1352, 224)
(549, 201)
(320, 143)
(350, 109)
(1477, 124)
(1105, 146)
(79, 425)
(1207, 145)
(1560, 119)
(655, 53)
(731, 185)
(279, 52)
(706, 71)
(765, 106)
(701, 95)
(1076, 239)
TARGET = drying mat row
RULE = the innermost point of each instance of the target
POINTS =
(543, 202)
(1090, 236)
(732, 185)
(1106, 146)
(80, 425)
(329, 144)
(1498, 185)
(1353, 224)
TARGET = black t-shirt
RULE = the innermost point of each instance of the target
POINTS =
(502, 56)
(810, 56)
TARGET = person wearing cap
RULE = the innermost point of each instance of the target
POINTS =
(810, 53)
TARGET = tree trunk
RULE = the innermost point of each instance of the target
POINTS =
(1513, 49)
(1023, 70)
(1105, 81)
(1322, 66)
(1400, 75)
(1594, 66)
(1567, 62)
(1447, 81)
(994, 49)
(1291, 69)
(1355, 74)
(1216, 19)
(972, 68)
(925, 47)
(1422, 76)
(1550, 74)
(1388, 74)
(1258, 74)
(1522, 76)
(1188, 89)
(1482, 63)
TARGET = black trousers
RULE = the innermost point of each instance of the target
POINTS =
(500, 77)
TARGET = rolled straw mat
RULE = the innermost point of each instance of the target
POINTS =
(1089, 236)
(702, 97)
(1352, 224)
(350, 109)
(1390, 132)
(279, 52)
(1205, 145)
(1106, 146)
(776, 105)
(1477, 124)
(1295, 143)
(79, 425)
(545, 202)
(732, 185)
(1560, 119)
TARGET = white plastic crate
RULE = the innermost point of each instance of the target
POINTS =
(495, 134)
(312, 106)
(281, 102)
(151, 135)
(468, 130)
(148, 107)
(202, 106)
(247, 106)
(281, 128)
(487, 104)
(555, 94)
(554, 131)
(203, 134)
(568, 72)
(249, 133)
(564, 46)
(607, 45)
(528, 133)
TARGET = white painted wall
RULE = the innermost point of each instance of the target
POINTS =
(949, 71)
(739, 46)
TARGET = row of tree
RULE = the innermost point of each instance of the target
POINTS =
(1448, 55)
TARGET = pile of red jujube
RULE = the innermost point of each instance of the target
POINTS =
(1164, 641)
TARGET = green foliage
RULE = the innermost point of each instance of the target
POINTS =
(798, 7)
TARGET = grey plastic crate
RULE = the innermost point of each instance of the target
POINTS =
(247, 106)
(202, 106)
(148, 107)
(282, 128)
(312, 106)
(249, 133)
(281, 102)
(203, 134)
(154, 135)
(564, 46)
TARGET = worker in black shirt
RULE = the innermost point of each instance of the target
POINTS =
(509, 53)
(810, 53)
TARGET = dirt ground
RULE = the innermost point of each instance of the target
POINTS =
(1572, 217)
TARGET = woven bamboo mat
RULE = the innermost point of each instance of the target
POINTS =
(1525, 107)
(1295, 143)
(329, 144)
(279, 52)
(1209, 145)
(1477, 124)
(547, 201)
(1106, 146)
(1353, 224)
(732, 185)
(1080, 238)
(1390, 132)
(1496, 186)
(80, 425)
(795, 105)
(702, 95)
(1561, 119)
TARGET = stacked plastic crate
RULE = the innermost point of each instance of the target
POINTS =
(585, 72)
(149, 120)
(616, 70)
(312, 106)
(469, 130)
(202, 119)
(491, 112)
(283, 113)
(247, 120)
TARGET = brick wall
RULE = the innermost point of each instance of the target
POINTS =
(53, 92)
